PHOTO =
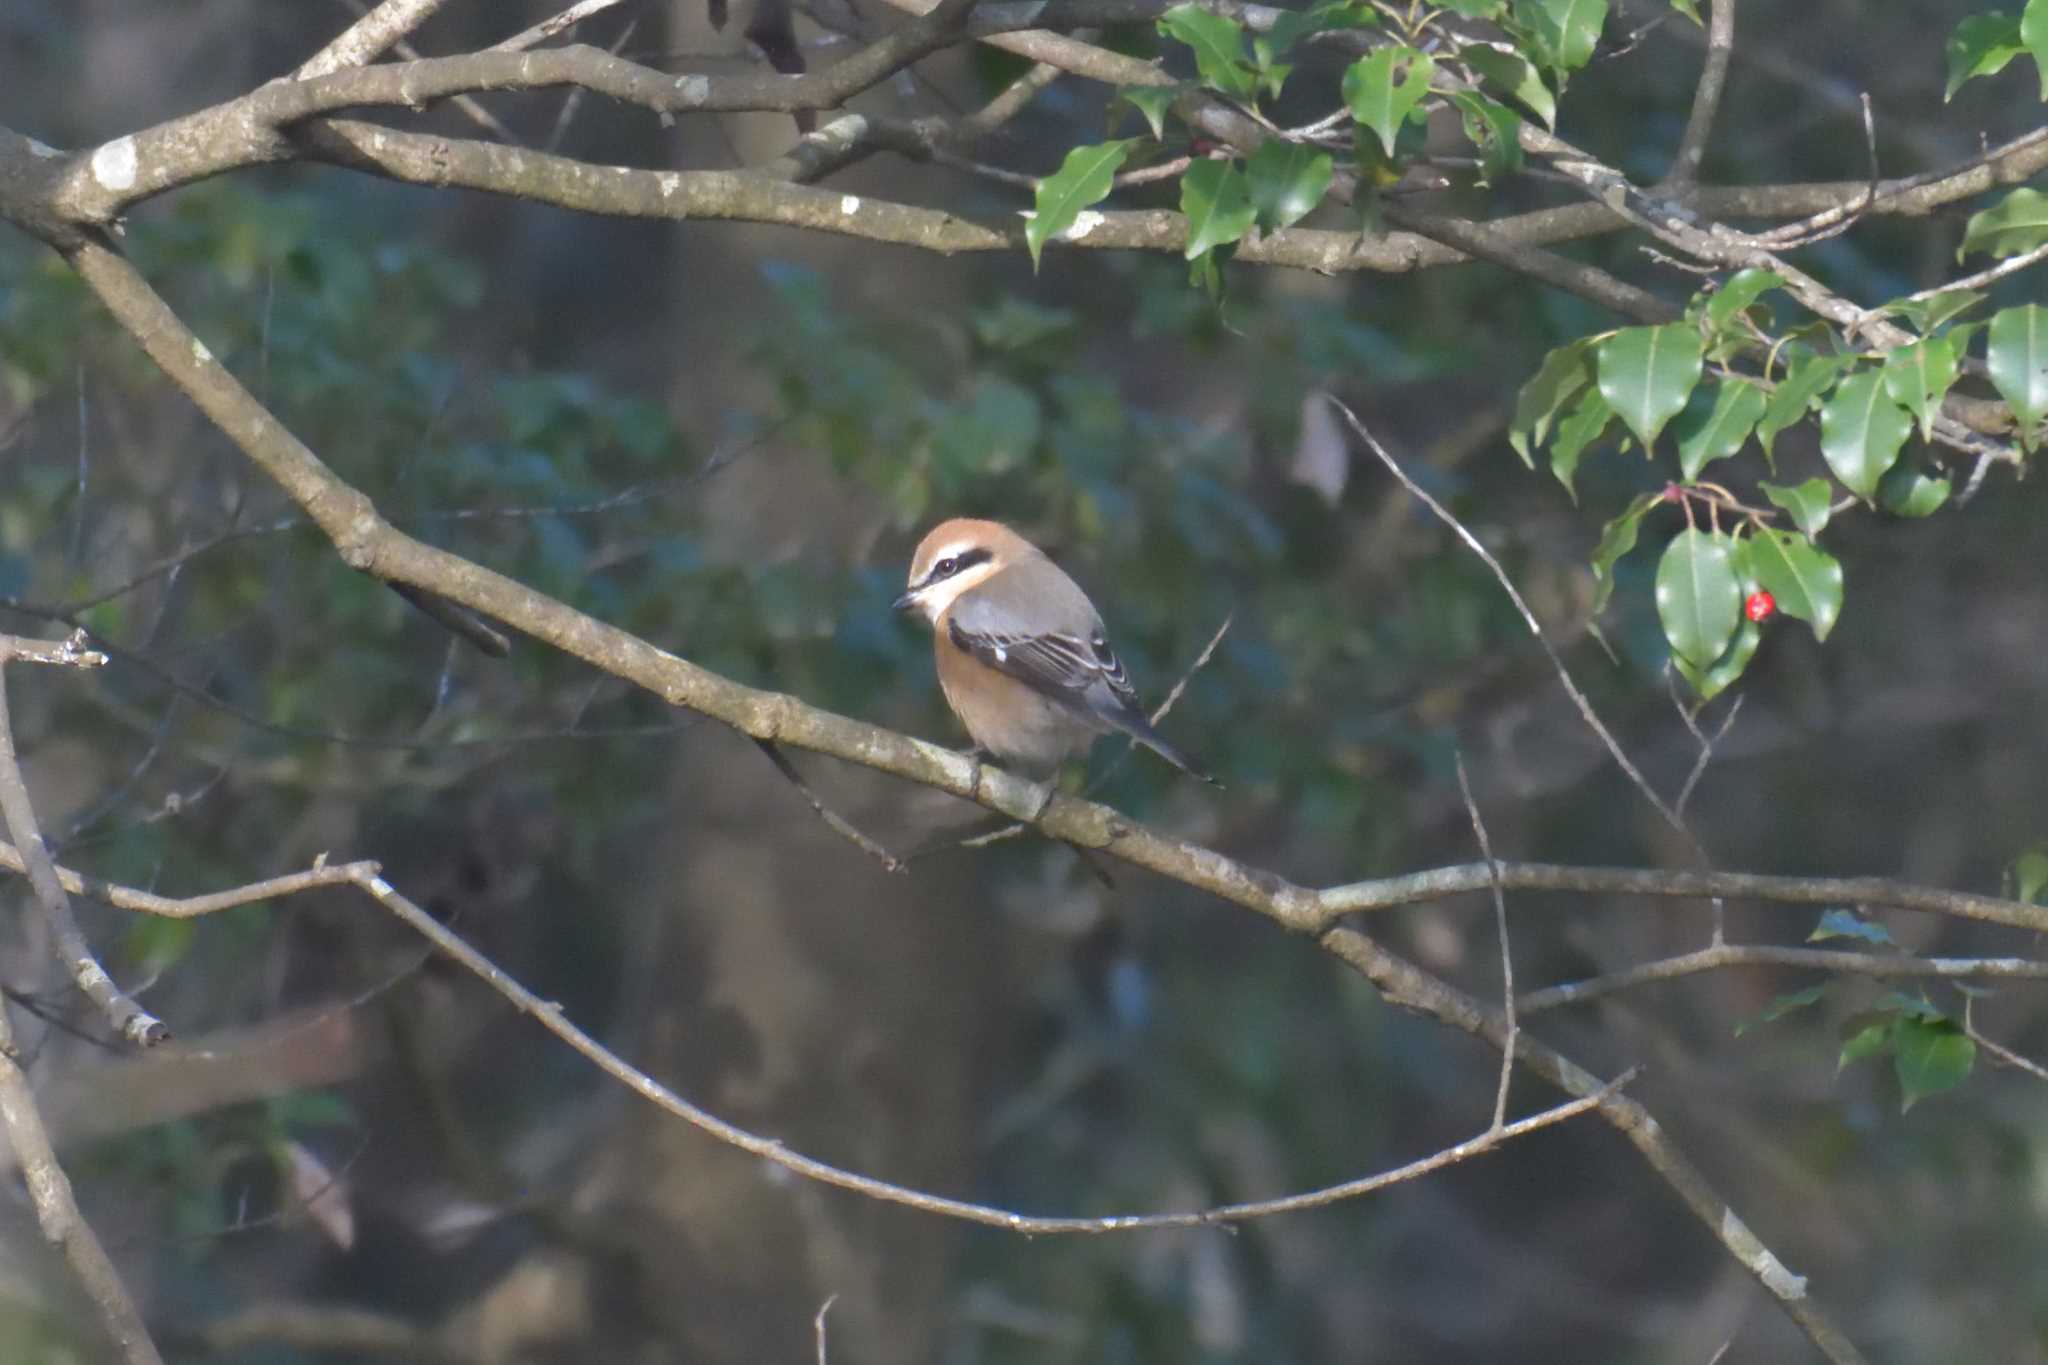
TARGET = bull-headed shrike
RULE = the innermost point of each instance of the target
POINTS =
(1022, 655)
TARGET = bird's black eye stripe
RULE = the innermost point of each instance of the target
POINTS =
(953, 564)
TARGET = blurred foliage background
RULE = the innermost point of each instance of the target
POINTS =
(727, 439)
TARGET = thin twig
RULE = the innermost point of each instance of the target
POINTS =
(1706, 96)
(369, 37)
(1999, 1052)
(1578, 698)
(834, 821)
(128, 1019)
(1722, 956)
(1507, 959)
(57, 1210)
(548, 28)
(818, 1325)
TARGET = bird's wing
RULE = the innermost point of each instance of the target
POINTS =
(1079, 670)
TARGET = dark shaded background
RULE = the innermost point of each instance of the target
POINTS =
(790, 412)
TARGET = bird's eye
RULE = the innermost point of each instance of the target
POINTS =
(946, 567)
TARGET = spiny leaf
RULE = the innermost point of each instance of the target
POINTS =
(1218, 208)
(1084, 178)
(1287, 179)
(1218, 45)
(1980, 45)
(1383, 87)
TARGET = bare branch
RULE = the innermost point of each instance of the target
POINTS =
(57, 1211)
(369, 37)
(128, 1019)
(1507, 958)
(1706, 96)
(834, 821)
(1725, 955)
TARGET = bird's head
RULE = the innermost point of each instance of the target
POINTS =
(955, 556)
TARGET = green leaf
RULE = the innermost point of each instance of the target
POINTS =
(1930, 1057)
(1556, 382)
(1508, 73)
(1796, 395)
(1581, 427)
(2015, 224)
(2028, 875)
(1699, 595)
(1567, 29)
(1494, 129)
(1475, 9)
(1218, 208)
(1810, 504)
(1294, 25)
(1917, 377)
(1724, 672)
(1865, 1035)
(1929, 313)
(1980, 45)
(1741, 289)
(2016, 358)
(1689, 9)
(1218, 44)
(1805, 579)
(1782, 1006)
(1287, 180)
(2034, 33)
(1152, 101)
(1384, 87)
(1719, 430)
(1848, 924)
(1909, 491)
(1084, 178)
(1861, 432)
(1617, 538)
(1647, 373)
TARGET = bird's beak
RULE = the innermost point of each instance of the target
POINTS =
(905, 602)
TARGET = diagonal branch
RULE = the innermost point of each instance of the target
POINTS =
(128, 1019)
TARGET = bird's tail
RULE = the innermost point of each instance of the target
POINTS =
(1134, 724)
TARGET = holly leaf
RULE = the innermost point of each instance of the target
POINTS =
(1581, 427)
(1930, 1056)
(1782, 1006)
(1294, 25)
(1796, 394)
(1699, 595)
(1617, 538)
(1287, 179)
(1647, 373)
(1908, 491)
(1508, 73)
(2016, 358)
(2015, 224)
(1737, 293)
(1567, 30)
(1218, 45)
(1563, 373)
(1840, 923)
(1384, 87)
(1718, 431)
(1805, 579)
(1917, 377)
(1084, 178)
(1218, 208)
(1980, 45)
(1810, 504)
(1152, 101)
(1861, 432)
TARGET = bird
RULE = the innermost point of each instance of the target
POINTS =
(1023, 658)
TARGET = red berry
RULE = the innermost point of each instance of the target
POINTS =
(1760, 607)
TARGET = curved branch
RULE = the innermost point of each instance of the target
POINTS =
(1765, 955)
